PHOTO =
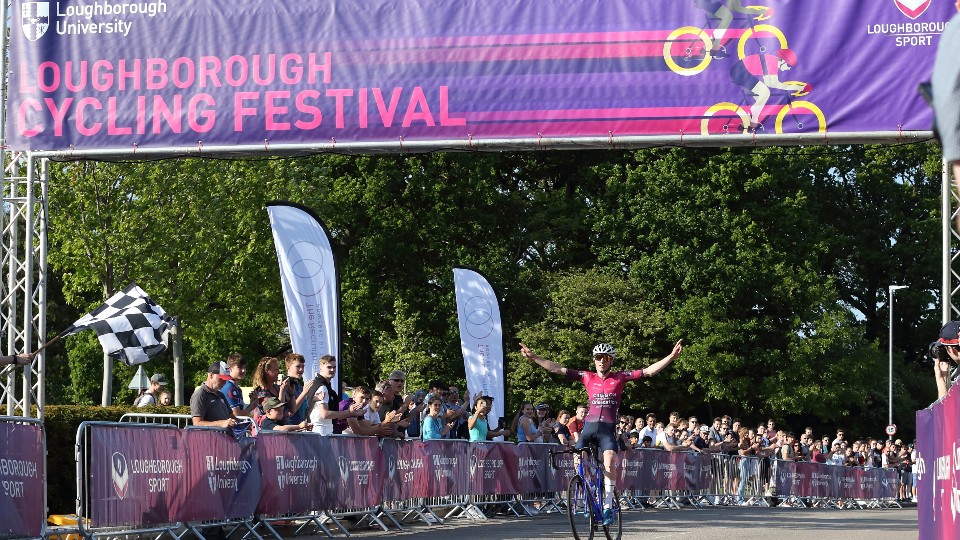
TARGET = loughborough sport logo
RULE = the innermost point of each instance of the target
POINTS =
(912, 8)
(34, 19)
(120, 473)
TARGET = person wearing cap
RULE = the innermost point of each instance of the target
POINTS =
(948, 350)
(274, 417)
(209, 407)
(149, 397)
(758, 73)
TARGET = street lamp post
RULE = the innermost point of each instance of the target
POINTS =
(890, 290)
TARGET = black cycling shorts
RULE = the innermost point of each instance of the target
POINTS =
(601, 432)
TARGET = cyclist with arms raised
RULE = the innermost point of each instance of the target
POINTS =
(604, 390)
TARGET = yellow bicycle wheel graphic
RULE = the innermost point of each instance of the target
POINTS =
(687, 50)
(759, 29)
(802, 115)
(724, 117)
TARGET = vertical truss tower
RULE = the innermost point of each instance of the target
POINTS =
(23, 263)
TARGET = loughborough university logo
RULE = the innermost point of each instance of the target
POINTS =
(35, 19)
(120, 473)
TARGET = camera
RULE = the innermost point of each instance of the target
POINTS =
(936, 352)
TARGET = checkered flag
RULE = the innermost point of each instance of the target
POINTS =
(131, 327)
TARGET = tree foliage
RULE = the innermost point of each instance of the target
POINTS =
(772, 264)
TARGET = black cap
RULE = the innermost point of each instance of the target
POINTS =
(950, 333)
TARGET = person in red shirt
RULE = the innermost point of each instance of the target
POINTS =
(575, 425)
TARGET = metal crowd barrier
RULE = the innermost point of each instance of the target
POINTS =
(733, 480)
(82, 454)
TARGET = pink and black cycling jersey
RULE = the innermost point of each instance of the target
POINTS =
(604, 392)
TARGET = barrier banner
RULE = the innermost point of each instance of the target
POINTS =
(197, 73)
(938, 468)
(533, 467)
(417, 469)
(291, 475)
(805, 479)
(662, 470)
(22, 479)
(447, 466)
(137, 475)
(696, 470)
(358, 467)
(493, 468)
(406, 472)
(559, 477)
(223, 475)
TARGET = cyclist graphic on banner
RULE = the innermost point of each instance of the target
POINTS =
(758, 73)
(723, 12)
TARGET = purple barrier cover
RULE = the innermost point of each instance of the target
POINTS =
(137, 475)
(937, 468)
(223, 475)
(22, 479)
(292, 478)
(203, 72)
(662, 470)
(632, 469)
(559, 478)
(493, 468)
(533, 467)
(357, 467)
(447, 464)
(406, 473)
(805, 479)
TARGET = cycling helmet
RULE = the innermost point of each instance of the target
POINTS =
(788, 56)
(604, 348)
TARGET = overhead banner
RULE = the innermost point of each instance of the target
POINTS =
(481, 338)
(209, 73)
(311, 287)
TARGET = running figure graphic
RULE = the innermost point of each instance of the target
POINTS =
(604, 391)
(758, 73)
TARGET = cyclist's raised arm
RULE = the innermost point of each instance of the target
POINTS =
(657, 367)
(548, 365)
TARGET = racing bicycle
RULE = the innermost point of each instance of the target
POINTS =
(585, 496)
(792, 115)
(686, 50)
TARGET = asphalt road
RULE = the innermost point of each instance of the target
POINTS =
(710, 523)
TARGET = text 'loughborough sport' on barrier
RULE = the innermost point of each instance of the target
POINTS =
(140, 475)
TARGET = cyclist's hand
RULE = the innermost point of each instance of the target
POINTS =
(765, 12)
(807, 88)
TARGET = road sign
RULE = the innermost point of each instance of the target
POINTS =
(892, 430)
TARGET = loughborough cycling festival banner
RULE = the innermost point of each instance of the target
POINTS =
(107, 74)
(938, 468)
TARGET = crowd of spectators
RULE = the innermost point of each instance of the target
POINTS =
(388, 410)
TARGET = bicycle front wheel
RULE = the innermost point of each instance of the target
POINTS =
(614, 531)
(578, 509)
